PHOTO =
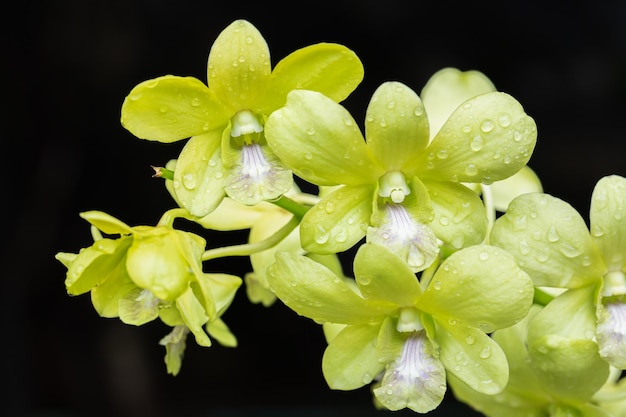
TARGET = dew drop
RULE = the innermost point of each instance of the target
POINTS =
(442, 154)
(164, 109)
(176, 184)
(487, 125)
(419, 111)
(553, 235)
(466, 129)
(517, 136)
(504, 120)
(383, 123)
(524, 249)
(329, 207)
(470, 340)
(476, 144)
(341, 235)
(542, 256)
(437, 285)
(321, 235)
(467, 105)
(249, 40)
(485, 352)
(212, 163)
(219, 175)
(471, 170)
(483, 256)
(569, 250)
(310, 131)
(444, 221)
(308, 156)
(391, 104)
(195, 102)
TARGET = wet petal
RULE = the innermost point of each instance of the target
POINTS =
(523, 182)
(338, 221)
(550, 241)
(381, 274)
(312, 290)
(460, 217)
(447, 89)
(396, 126)
(170, 108)
(138, 307)
(416, 380)
(480, 285)
(199, 176)
(350, 361)
(320, 141)
(239, 66)
(328, 68)
(106, 223)
(487, 139)
(472, 356)
(608, 220)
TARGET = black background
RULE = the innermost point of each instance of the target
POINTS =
(70, 64)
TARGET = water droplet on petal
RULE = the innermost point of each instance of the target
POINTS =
(553, 235)
(470, 340)
(483, 256)
(504, 120)
(487, 125)
(321, 235)
(485, 352)
(476, 144)
(471, 170)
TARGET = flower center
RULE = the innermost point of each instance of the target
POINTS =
(246, 127)
(393, 185)
(254, 164)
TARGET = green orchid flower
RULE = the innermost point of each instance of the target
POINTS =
(552, 243)
(227, 151)
(564, 377)
(399, 189)
(411, 335)
(148, 273)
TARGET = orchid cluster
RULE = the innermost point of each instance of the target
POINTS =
(466, 275)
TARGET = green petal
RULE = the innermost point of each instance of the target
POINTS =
(481, 286)
(487, 139)
(170, 108)
(472, 356)
(350, 360)
(569, 369)
(239, 66)
(460, 217)
(328, 68)
(95, 264)
(194, 316)
(396, 126)
(320, 141)
(338, 221)
(523, 182)
(230, 215)
(219, 331)
(138, 307)
(106, 296)
(572, 314)
(106, 223)
(608, 220)
(382, 275)
(313, 291)
(447, 89)
(175, 343)
(199, 176)
(550, 241)
(223, 288)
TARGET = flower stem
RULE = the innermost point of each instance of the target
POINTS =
(250, 248)
(290, 205)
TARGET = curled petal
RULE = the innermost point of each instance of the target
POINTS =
(611, 333)
(416, 380)
(414, 242)
(258, 176)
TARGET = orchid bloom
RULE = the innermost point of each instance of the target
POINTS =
(227, 152)
(553, 245)
(152, 272)
(414, 336)
(400, 189)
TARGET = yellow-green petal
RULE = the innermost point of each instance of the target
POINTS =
(338, 221)
(480, 285)
(472, 356)
(106, 296)
(320, 141)
(199, 176)
(460, 216)
(171, 108)
(396, 126)
(313, 291)
(522, 182)
(328, 68)
(608, 220)
(487, 139)
(95, 264)
(175, 343)
(550, 241)
(447, 89)
(382, 275)
(138, 307)
(106, 223)
(194, 316)
(239, 66)
(219, 331)
(350, 360)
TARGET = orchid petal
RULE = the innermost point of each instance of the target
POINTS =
(239, 66)
(171, 108)
(608, 220)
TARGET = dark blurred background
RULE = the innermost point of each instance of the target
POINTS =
(68, 65)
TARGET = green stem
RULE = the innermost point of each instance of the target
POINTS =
(250, 248)
(290, 205)
(167, 219)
